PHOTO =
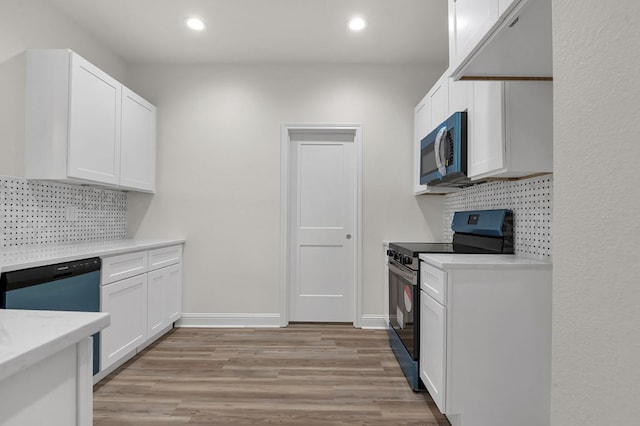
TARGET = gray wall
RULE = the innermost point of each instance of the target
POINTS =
(596, 241)
(219, 163)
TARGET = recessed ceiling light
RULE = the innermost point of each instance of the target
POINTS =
(195, 24)
(357, 24)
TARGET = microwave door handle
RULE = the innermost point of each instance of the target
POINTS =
(438, 152)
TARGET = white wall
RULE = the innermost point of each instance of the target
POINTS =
(596, 333)
(34, 24)
(219, 170)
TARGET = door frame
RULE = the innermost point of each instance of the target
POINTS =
(285, 197)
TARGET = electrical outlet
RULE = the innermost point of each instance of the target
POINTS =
(71, 213)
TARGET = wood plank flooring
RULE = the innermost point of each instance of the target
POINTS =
(305, 374)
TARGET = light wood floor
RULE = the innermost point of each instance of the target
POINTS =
(305, 374)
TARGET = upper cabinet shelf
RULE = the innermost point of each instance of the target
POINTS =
(500, 39)
(83, 126)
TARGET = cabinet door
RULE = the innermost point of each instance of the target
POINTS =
(433, 349)
(126, 301)
(138, 140)
(460, 93)
(469, 22)
(156, 289)
(173, 293)
(421, 129)
(438, 105)
(486, 139)
(94, 124)
(504, 5)
(164, 298)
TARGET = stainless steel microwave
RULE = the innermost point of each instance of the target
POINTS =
(443, 159)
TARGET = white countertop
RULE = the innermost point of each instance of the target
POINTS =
(484, 261)
(28, 337)
(13, 259)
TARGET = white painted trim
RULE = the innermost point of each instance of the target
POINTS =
(229, 320)
(84, 382)
(286, 128)
(377, 322)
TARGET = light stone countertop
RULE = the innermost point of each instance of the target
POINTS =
(484, 261)
(13, 259)
(28, 337)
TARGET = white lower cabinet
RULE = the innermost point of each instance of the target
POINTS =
(126, 302)
(485, 346)
(142, 306)
(164, 293)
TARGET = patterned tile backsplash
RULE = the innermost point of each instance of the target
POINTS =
(37, 212)
(530, 200)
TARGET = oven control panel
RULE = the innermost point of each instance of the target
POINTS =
(402, 259)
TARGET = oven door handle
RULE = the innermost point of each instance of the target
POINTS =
(406, 273)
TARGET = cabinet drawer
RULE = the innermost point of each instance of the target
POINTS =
(123, 266)
(165, 256)
(433, 281)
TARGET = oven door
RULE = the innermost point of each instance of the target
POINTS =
(404, 306)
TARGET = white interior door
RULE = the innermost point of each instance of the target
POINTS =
(322, 227)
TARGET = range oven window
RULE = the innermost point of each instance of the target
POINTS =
(404, 306)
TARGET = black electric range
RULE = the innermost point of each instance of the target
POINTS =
(475, 232)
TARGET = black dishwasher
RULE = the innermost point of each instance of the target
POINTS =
(69, 286)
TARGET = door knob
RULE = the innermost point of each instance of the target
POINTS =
(348, 236)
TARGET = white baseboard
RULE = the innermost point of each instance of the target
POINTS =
(373, 322)
(217, 320)
(208, 320)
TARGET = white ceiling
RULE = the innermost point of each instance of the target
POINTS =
(266, 31)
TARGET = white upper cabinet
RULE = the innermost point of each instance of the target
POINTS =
(504, 5)
(460, 95)
(138, 142)
(83, 126)
(510, 129)
(432, 110)
(438, 103)
(443, 99)
(485, 129)
(504, 39)
(469, 21)
(94, 124)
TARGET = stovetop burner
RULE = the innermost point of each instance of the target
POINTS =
(414, 249)
(481, 231)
